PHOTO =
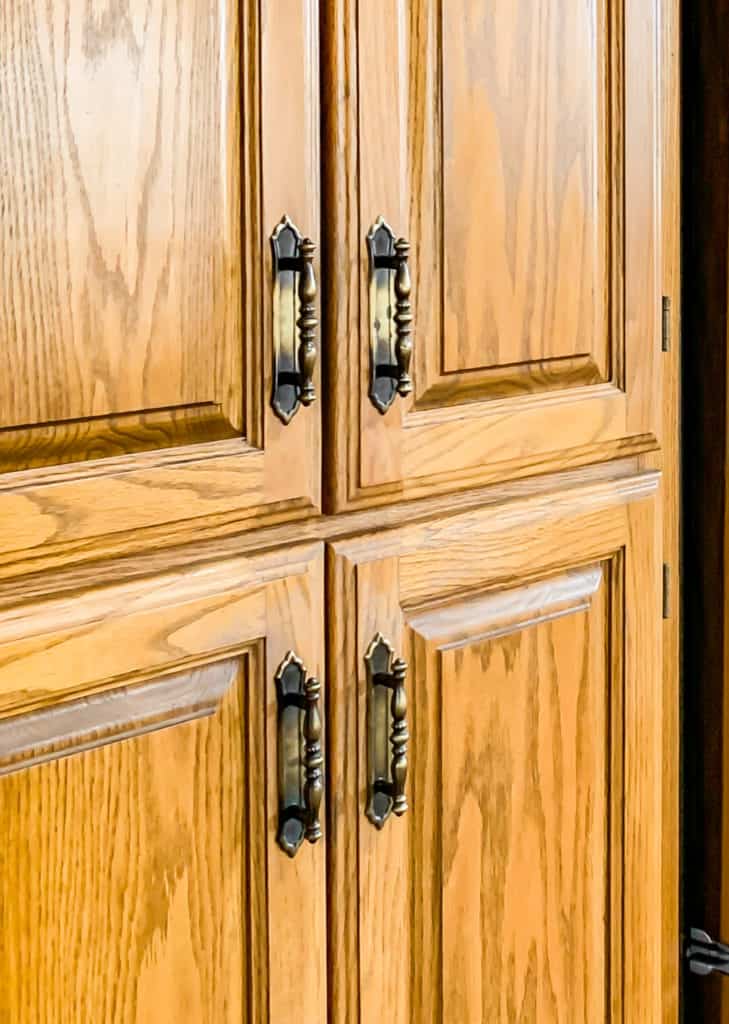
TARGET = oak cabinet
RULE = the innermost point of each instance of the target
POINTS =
(140, 877)
(148, 155)
(516, 147)
(330, 657)
(523, 882)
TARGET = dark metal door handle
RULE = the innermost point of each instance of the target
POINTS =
(391, 318)
(706, 956)
(387, 712)
(300, 758)
(294, 321)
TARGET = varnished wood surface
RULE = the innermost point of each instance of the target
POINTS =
(136, 280)
(121, 177)
(62, 576)
(549, 159)
(130, 588)
(67, 727)
(121, 880)
(526, 151)
(525, 795)
(141, 880)
(538, 597)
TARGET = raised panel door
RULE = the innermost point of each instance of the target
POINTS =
(523, 882)
(149, 151)
(140, 875)
(516, 147)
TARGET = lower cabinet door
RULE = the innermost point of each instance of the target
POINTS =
(140, 875)
(495, 834)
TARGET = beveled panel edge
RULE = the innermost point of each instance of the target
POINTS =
(103, 438)
(104, 598)
(507, 610)
(111, 716)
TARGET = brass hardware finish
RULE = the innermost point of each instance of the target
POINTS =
(294, 318)
(387, 703)
(300, 759)
(391, 317)
(666, 324)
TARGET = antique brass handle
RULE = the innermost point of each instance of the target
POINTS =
(391, 318)
(300, 759)
(294, 321)
(387, 712)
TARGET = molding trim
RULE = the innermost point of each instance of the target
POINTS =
(499, 613)
(123, 713)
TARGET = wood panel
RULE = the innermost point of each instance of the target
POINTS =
(140, 875)
(523, 165)
(524, 881)
(144, 165)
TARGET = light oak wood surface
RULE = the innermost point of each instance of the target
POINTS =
(528, 183)
(140, 880)
(164, 542)
(532, 843)
(148, 153)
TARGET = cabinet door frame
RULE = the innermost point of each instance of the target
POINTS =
(447, 435)
(404, 579)
(108, 662)
(99, 487)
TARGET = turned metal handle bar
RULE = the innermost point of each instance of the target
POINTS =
(391, 316)
(388, 753)
(300, 758)
(294, 335)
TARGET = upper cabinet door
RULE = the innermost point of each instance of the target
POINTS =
(514, 145)
(149, 150)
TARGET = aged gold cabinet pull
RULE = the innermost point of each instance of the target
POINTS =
(294, 320)
(300, 760)
(391, 318)
(387, 711)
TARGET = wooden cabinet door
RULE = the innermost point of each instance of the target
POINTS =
(140, 878)
(523, 883)
(514, 144)
(149, 150)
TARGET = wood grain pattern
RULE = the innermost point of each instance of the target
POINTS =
(499, 171)
(161, 847)
(525, 794)
(526, 206)
(48, 566)
(531, 851)
(135, 276)
(121, 875)
(121, 282)
(111, 716)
